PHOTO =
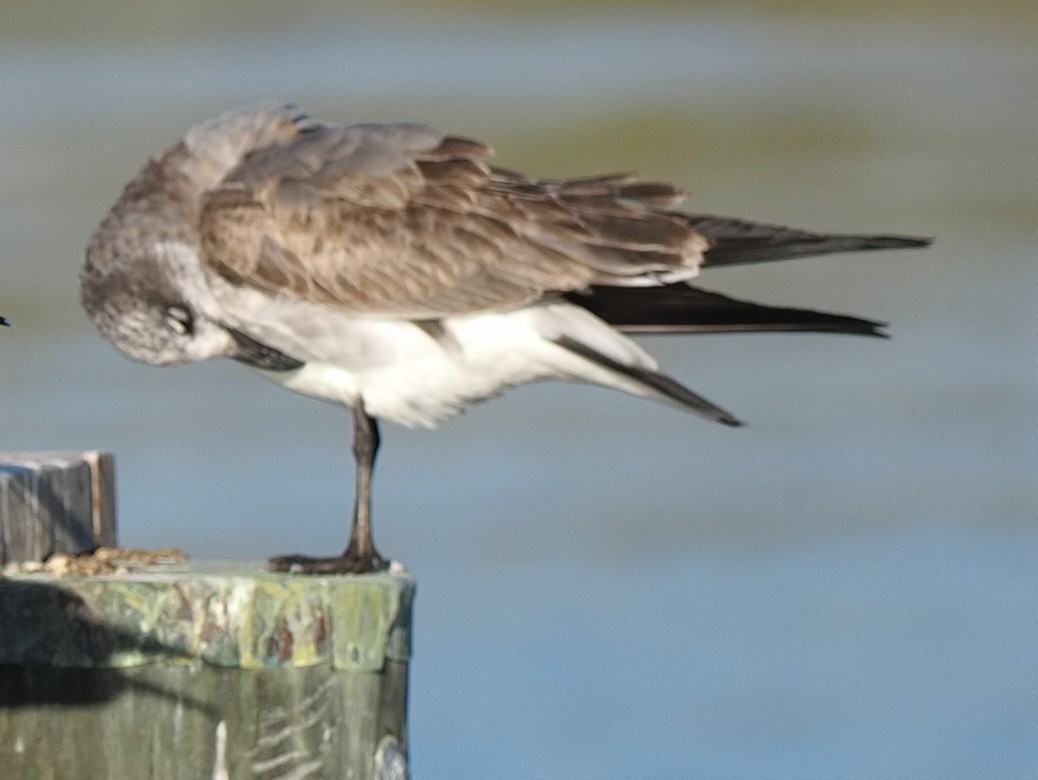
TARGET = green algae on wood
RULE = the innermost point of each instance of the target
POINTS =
(226, 614)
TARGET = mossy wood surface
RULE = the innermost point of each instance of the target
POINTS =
(202, 670)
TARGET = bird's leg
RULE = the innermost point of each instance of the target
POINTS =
(365, 447)
(360, 554)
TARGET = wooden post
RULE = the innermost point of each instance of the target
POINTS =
(55, 502)
(202, 670)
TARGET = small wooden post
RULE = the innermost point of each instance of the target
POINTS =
(55, 502)
(205, 669)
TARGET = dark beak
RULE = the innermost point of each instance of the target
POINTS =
(253, 353)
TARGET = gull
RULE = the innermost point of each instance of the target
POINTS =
(392, 269)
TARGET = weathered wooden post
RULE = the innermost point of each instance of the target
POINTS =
(55, 502)
(115, 667)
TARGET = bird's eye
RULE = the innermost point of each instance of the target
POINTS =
(180, 320)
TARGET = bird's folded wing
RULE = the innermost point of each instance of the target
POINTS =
(397, 220)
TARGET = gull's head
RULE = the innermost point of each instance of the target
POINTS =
(152, 306)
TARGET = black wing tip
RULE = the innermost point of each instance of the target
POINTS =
(738, 241)
(852, 327)
(682, 308)
(856, 326)
(5, 322)
(897, 242)
(665, 386)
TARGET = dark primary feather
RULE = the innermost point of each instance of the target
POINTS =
(656, 381)
(681, 308)
(737, 241)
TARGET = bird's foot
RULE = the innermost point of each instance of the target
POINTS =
(350, 562)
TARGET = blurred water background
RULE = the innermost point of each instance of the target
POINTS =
(609, 589)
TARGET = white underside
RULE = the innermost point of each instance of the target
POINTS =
(408, 375)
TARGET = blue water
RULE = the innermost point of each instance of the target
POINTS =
(607, 588)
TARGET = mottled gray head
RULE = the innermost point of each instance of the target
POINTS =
(143, 284)
(150, 308)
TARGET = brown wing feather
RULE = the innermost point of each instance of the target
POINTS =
(400, 221)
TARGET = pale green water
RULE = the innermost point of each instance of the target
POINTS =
(846, 588)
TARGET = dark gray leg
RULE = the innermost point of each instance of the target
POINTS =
(365, 447)
(360, 554)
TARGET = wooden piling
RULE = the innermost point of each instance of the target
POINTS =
(55, 502)
(202, 670)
